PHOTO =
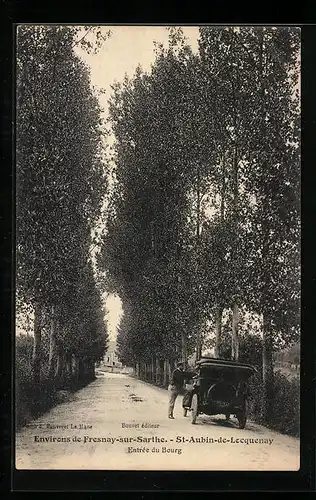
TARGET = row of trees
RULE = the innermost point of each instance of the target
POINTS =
(60, 179)
(204, 217)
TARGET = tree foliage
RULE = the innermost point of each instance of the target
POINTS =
(216, 130)
(61, 179)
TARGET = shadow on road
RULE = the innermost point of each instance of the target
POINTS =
(216, 421)
(133, 397)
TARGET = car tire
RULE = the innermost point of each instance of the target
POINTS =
(242, 417)
(194, 408)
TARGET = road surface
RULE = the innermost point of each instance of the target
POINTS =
(119, 422)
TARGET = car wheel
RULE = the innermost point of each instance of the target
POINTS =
(194, 408)
(242, 417)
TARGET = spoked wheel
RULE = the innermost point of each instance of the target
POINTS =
(185, 412)
(242, 417)
(194, 408)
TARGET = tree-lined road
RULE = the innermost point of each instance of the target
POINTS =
(122, 422)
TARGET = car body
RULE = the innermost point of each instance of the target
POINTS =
(219, 387)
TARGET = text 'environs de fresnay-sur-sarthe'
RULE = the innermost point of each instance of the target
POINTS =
(154, 439)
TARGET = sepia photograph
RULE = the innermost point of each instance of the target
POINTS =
(158, 266)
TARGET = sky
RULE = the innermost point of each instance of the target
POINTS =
(128, 47)
(114, 312)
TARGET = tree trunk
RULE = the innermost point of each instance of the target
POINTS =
(74, 368)
(219, 309)
(198, 205)
(184, 350)
(198, 351)
(162, 366)
(235, 339)
(235, 257)
(267, 371)
(80, 369)
(169, 372)
(52, 345)
(158, 372)
(218, 331)
(60, 368)
(37, 346)
(165, 373)
(153, 369)
(236, 270)
(267, 341)
(91, 369)
(68, 367)
(223, 189)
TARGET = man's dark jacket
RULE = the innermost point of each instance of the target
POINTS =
(179, 376)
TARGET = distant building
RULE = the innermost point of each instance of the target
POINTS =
(110, 359)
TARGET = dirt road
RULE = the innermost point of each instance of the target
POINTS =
(118, 422)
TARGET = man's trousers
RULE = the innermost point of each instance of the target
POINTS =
(174, 393)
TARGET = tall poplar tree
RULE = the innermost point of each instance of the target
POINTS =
(60, 171)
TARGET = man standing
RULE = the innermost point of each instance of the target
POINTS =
(177, 380)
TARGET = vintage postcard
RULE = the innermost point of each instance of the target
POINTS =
(157, 248)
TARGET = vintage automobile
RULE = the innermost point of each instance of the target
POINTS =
(219, 387)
